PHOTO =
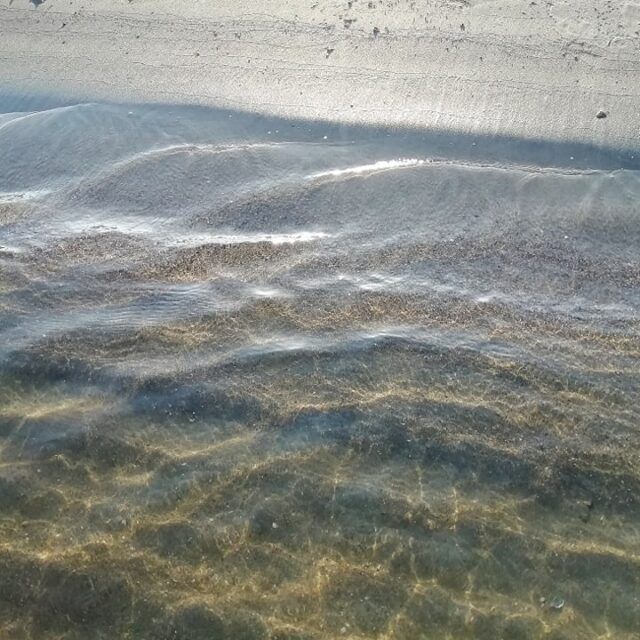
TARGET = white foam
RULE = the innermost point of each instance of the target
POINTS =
(264, 292)
(168, 236)
(253, 238)
(22, 196)
(381, 165)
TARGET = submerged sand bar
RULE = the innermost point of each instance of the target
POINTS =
(526, 69)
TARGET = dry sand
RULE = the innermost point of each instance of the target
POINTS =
(533, 69)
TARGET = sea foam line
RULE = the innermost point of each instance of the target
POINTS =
(273, 238)
(21, 196)
(381, 165)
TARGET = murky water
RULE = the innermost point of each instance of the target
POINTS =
(262, 379)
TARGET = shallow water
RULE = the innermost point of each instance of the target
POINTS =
(267, 379)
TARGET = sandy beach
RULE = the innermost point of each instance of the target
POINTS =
(525, 69)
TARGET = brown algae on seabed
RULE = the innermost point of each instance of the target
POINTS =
(421, 429)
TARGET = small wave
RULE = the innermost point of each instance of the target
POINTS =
(22, 196)
(250, 238)
(191, 148)
(381, 165)
(168, 234)
(30, 115)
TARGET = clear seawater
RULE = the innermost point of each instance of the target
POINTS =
(282, 380)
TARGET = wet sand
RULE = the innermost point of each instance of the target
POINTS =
(247, 391)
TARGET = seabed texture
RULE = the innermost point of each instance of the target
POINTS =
(265, 379)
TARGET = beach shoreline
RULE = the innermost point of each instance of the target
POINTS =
(475, 68)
